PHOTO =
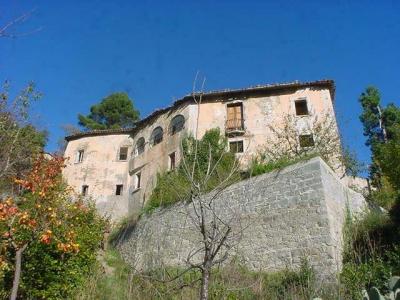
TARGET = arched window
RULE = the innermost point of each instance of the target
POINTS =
(156, 136)
(177, 124)
(139, 149)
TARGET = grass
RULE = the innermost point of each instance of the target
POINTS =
(371, 254)
(259, 167)
(232, 281)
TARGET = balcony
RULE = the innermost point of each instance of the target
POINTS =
(234, 127)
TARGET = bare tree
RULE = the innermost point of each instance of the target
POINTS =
(219, 229)
(216, 231)
(19, 139)
(299, 137)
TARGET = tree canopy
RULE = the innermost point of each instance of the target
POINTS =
(20, 140)
(380, 127)
(114, 111)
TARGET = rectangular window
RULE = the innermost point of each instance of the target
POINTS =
(234, 116)
(123, 153)
(79, 156)
(306, 140)
(137, 180)
(236, 147)
(301, 107)
(85, 190)
(172, 161)
(119, 189)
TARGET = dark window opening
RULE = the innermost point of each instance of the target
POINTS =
(157, 136)
(140, 146)
(236, 147)
(177, 124)
(137, 181)
(301, 107)
(172, 161)
(123, 153)
(119, 189)
(85, 190)
(79, 157)
(306, 140)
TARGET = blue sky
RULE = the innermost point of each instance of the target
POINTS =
(153, 49)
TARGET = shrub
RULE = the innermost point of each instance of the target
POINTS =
(232, 281)
(261, 164)
(175, 185)
(371, 255)
(46, 237)
(49, 274)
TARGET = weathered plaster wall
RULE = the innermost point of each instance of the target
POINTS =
(286, 215)
(155, 158)
(100, 170)
(259, 113)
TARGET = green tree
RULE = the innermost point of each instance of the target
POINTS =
(371, 117)
(380, 125)
(114, 111)
(19, 139)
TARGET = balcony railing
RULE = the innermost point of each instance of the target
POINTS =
(234, 125)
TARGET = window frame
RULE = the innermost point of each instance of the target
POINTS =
(307, 145)
(299, 105)
(119, 190)
(237, 123)
(79, 156)
(126, 154)
(143, 147)
(172, 161)
(85, 190)
(153, 136)
(177, 126)
(138, 180)
(237, 147)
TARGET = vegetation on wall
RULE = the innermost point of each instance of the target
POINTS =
(286, 145)
(173, 186)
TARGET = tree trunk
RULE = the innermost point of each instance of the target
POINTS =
(205, 279)
(17, 272)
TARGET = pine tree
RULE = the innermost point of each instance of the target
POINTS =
(114, 111)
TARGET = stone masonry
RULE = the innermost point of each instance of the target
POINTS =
(285, 215)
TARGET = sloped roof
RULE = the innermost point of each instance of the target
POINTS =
(217, 94)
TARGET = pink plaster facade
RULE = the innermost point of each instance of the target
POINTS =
(261, 106)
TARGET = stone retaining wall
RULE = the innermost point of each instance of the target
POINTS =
(281, 217)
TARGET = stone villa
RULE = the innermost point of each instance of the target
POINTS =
(118, 167)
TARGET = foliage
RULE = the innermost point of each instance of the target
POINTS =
(171, 187)
(385, 196)
(114, 111)
(232, 281)
(388, 157)
(394, 291)
(381, 126)
(175, 186)
(19, 139)
(371, 115)
(353, 167)
(260, 166)
(50, 230)
(284, 143)
(371, 254)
